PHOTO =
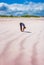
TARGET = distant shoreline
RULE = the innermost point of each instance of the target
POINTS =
(24, 16)
(20, 17)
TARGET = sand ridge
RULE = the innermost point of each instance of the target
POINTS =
(21, 48)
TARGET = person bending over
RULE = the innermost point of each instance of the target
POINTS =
(22, 27)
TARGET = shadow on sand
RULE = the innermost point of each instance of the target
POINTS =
(27, 32)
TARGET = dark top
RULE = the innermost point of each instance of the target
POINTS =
(22, 24)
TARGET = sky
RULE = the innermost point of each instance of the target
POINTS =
(22, 7)
(20, 1)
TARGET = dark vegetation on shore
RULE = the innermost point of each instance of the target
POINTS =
(29, 16)
(21, 16)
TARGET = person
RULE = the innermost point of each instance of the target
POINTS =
(22, 27)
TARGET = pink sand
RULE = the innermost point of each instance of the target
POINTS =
(21, 48)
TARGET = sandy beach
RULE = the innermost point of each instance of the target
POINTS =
(21, 48)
